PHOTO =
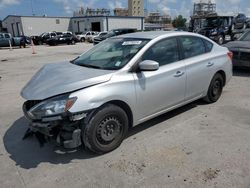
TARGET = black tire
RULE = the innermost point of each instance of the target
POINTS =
(215, 89)
(105, 129)
(221, 39)
(244, 26)
(82, 39)
(233, 27)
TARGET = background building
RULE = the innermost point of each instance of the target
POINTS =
(157, 21)
(92, 12)
(106, 23)
(136, 7)
(121, 12)
(200, 11)
(203, 8)
(35, 25)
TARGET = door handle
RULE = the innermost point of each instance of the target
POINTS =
(178, 74)
(210, 64)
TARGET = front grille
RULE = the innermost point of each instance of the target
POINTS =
(236, 55)
(245, 56)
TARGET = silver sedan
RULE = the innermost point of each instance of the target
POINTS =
(122, 82)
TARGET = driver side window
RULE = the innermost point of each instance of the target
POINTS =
(163, 52)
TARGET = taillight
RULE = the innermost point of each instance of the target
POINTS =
(230, 55)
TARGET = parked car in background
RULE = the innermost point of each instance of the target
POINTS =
(91, 38)
(112, 33)
(25, 40)
(120, 83)
(67, 32)
(84, 35)
(218, 28)
(241, 50)
(81, 36)
(62, 39)
(6, 39)
(41, 39)
(241, 22)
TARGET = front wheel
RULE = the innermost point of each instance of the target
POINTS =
(73, 42)
(221, 40)
(215, 89)
(82, 40)
(106, 129)
(244, 26)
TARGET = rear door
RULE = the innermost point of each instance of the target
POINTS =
(164, 88)
(199, 65)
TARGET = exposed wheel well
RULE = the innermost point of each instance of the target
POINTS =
(126, 108)
(222, 73)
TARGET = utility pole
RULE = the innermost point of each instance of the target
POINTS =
(32, 8)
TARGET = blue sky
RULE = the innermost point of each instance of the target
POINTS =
(66, 7)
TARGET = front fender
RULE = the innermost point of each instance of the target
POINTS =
(93, 97)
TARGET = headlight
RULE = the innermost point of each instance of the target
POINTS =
(52, 107)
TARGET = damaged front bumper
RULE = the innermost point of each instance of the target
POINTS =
(64, 128)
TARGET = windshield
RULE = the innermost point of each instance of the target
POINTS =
(111, 54)
(211, 22)
(42, 34)
(245, 37)
(109, 34)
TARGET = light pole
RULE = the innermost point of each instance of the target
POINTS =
(32, 9)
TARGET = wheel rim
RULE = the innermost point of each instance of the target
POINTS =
(217, 88)
(109, 130)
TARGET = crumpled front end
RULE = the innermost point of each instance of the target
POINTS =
(64, 127)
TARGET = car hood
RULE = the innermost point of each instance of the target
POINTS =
(238, 44)
(59, 78)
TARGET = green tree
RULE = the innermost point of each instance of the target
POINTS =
(179, 21)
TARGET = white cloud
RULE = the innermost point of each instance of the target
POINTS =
(116, 4)
(71, 5)
(4, 3)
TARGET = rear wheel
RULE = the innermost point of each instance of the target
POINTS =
(106, 129)
(215, 89)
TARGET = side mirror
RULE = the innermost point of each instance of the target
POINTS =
(148, 65)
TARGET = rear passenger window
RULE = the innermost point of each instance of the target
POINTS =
(192, 46)
(163, 52)
(209, 45)
(1, 36)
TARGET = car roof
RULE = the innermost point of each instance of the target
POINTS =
(154, 34)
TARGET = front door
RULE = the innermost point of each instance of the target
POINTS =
(164, 88)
